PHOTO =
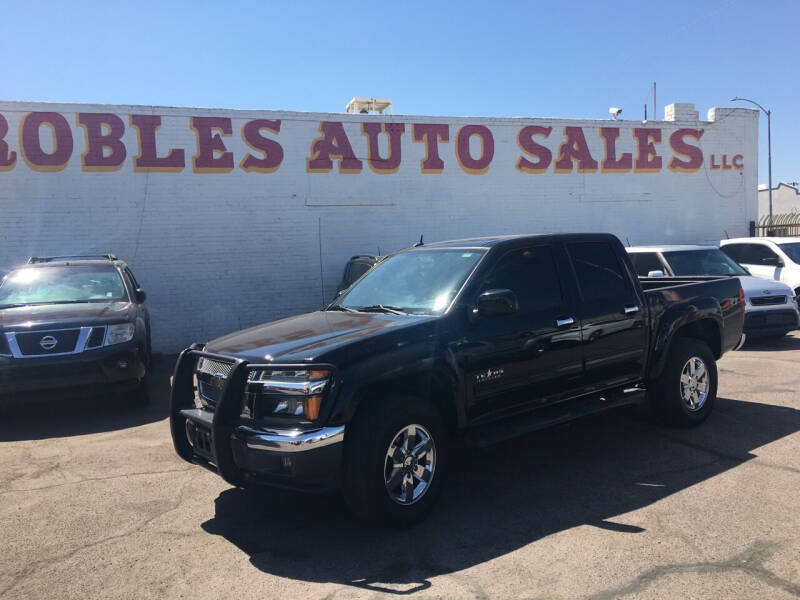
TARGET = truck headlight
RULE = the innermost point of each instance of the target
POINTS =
(117, 334)
(282, 393)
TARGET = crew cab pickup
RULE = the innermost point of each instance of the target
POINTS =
(487, 338)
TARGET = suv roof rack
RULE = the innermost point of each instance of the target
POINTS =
(44, 259)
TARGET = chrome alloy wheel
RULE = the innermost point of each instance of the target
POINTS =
(694, 383)
(410, 464)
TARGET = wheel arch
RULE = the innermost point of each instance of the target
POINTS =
(702, 323)
(435, 385)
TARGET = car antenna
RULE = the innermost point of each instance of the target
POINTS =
(379, 250)
(727, 237)
(627, 240)
(419, 243)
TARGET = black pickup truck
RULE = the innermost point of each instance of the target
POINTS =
(488, 338)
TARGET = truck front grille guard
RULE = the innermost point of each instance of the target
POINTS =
(227, 411)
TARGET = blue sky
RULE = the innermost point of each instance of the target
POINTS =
(571, 59)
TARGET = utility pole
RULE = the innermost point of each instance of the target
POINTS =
(769, 151)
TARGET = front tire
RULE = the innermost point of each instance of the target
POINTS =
(684, 394)
(395, 461)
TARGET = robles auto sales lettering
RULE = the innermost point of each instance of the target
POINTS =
(47, 141)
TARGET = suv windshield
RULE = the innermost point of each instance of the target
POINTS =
(61, 285)
(702, 262)
(416, 281)
(792, 250)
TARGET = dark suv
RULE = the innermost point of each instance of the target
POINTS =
(74, 324)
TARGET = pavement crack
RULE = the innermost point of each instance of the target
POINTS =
(32, 568)
(750, 561)
(90, 479)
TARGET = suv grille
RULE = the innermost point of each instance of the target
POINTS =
(4, 349)
(35, 343)
(96, 337)
(768, 300)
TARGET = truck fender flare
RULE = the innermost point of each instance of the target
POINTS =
(704, 310)
(433, 381)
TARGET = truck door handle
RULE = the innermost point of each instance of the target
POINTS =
(629, 310)
(564, 322)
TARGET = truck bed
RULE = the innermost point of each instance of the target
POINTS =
(700, 293)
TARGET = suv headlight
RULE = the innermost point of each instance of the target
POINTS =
(283, 393)
(117, 334)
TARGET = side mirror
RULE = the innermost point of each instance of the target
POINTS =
(772, 261)
(140, 295)
(497, 302)
(656, 273)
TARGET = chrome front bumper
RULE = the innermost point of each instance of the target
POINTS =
(290, 441)
(309, 460)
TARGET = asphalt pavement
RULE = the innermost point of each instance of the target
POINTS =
(95, 504)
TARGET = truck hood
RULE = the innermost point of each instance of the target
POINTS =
(756, 286)
(46, 316)
(307, 337)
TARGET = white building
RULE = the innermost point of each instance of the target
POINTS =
(234, 217)
(785, 199)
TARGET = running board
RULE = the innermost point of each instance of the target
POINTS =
(548, 416)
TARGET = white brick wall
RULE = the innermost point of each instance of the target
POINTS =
(219, 252)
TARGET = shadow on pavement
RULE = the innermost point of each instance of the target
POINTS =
(40, 417)
(787, 342)
(496, 501)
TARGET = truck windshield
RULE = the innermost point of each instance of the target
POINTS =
(61, 285)
(792, 251)
(415, 281)
(702, 262)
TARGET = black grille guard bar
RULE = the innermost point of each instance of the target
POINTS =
(228, 407)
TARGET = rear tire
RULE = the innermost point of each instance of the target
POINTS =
(385, 481)
(684, 394)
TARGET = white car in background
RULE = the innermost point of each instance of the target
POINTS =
(770, 306)
(771, 258)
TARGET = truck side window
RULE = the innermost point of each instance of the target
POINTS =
(737, 252)
(599, 273)
(644, 262)
(758, 252)
(356, 270)
(531, 274)
(749, 254)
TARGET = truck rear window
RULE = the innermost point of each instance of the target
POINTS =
(599, 272)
